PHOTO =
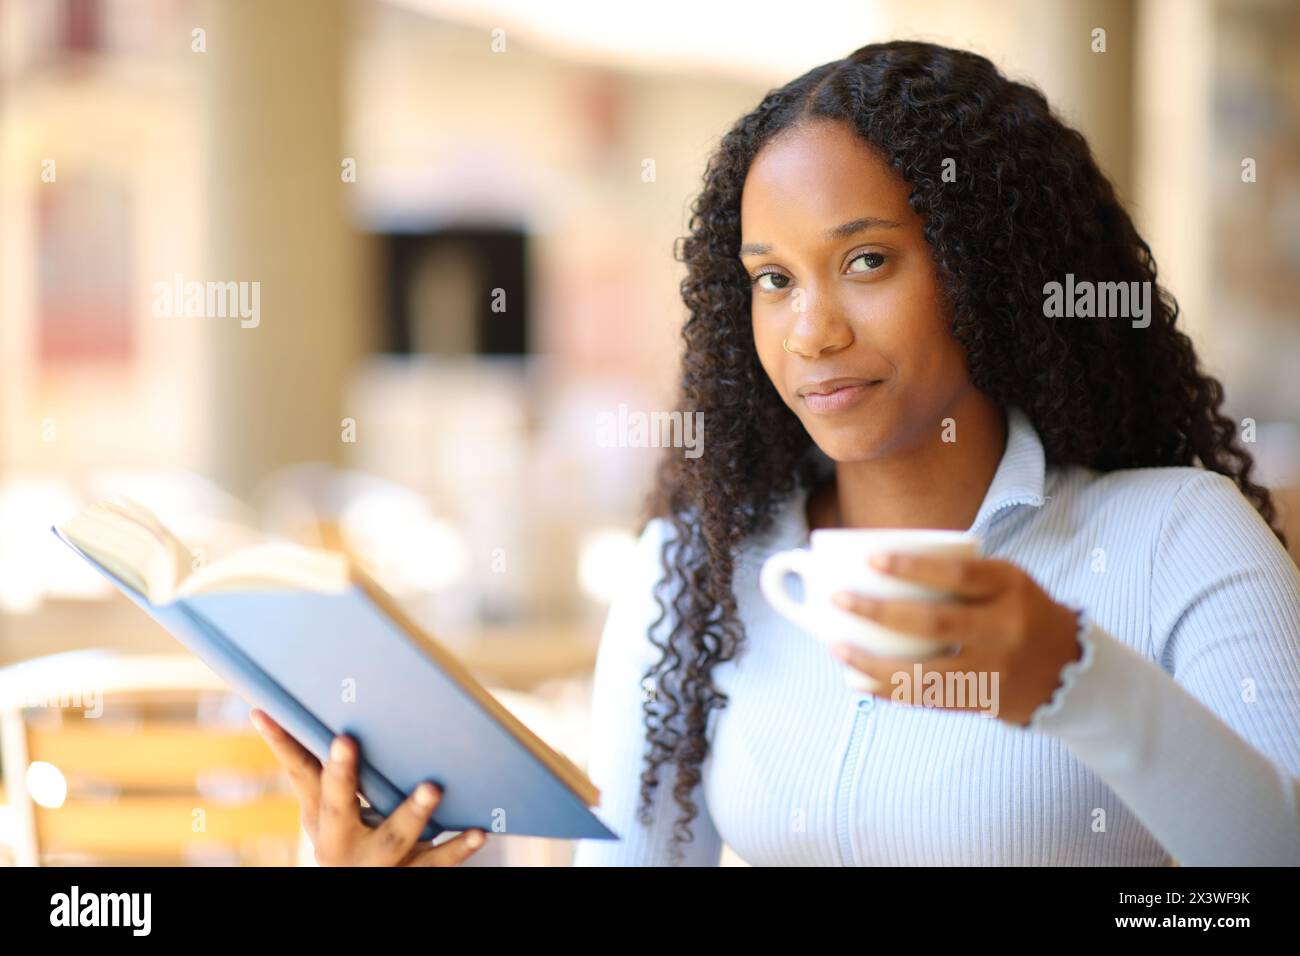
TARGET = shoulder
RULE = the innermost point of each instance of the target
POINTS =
(638, 604)
(1204, 536)
(1165, 502)
(1132, 483)
(1205, 553)
(1203, 513)
(1211, 532)
(1190, 522)
(656, 549)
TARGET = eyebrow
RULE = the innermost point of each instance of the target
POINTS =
(842, 231)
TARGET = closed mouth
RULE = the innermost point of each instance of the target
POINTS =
(839, 400)
(830, 388)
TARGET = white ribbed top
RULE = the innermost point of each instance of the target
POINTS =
(1176, 735)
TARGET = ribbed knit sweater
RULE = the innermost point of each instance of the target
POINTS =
(1176, 735)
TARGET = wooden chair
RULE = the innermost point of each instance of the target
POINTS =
(159, 762)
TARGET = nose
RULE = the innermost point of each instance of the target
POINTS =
(817, 329)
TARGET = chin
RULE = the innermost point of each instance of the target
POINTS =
(856, 438)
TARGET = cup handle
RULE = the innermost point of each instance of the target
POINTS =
(772, 583)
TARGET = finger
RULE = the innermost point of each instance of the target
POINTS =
(390, 842)
(964, 577)
(949, 681)
(453, 852)
(889, 669)
(947, 620)
(340, 814)
(300, 764)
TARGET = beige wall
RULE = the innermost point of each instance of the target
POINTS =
(442, 127)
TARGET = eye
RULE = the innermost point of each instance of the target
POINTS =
(876, 260)
(758, 279)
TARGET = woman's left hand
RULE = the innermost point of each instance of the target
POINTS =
(1003, 622)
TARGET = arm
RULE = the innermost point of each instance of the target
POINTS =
(617, 743)
(1204, 746)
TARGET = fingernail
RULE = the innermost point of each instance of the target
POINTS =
(424, 794)
(338, 750)
(841, 599)
(882, 562)
(475, 839)
(840, 653)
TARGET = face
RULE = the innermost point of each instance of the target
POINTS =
(842, 274)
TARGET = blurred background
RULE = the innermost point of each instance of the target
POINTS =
(460, 216)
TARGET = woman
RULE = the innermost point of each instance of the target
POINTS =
(874, 343)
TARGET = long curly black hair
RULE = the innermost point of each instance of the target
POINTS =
(1027, 206)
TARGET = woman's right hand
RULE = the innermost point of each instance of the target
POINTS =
(331, 812)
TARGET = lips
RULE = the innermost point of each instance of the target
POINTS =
(830, 385)
(837, 395)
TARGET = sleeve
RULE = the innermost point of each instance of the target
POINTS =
(1202, 741)
(617, 743)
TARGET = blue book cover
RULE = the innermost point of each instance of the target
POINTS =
(322, 664)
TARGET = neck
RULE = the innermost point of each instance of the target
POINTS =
(930, 484)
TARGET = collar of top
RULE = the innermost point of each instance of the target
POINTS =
(1021, 473)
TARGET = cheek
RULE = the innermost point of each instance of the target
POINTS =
(913, 330)
(940, 363)
(768, 346)
(953, 357)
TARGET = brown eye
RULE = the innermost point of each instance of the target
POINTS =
(875, 259)
(775, 275)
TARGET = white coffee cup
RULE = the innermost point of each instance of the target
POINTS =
(838, 561)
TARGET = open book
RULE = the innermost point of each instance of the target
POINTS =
(128, 541)
(307, 637)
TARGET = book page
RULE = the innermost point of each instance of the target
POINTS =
(274, 565)
(133, 545)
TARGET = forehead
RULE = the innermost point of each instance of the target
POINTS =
(818, 175)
